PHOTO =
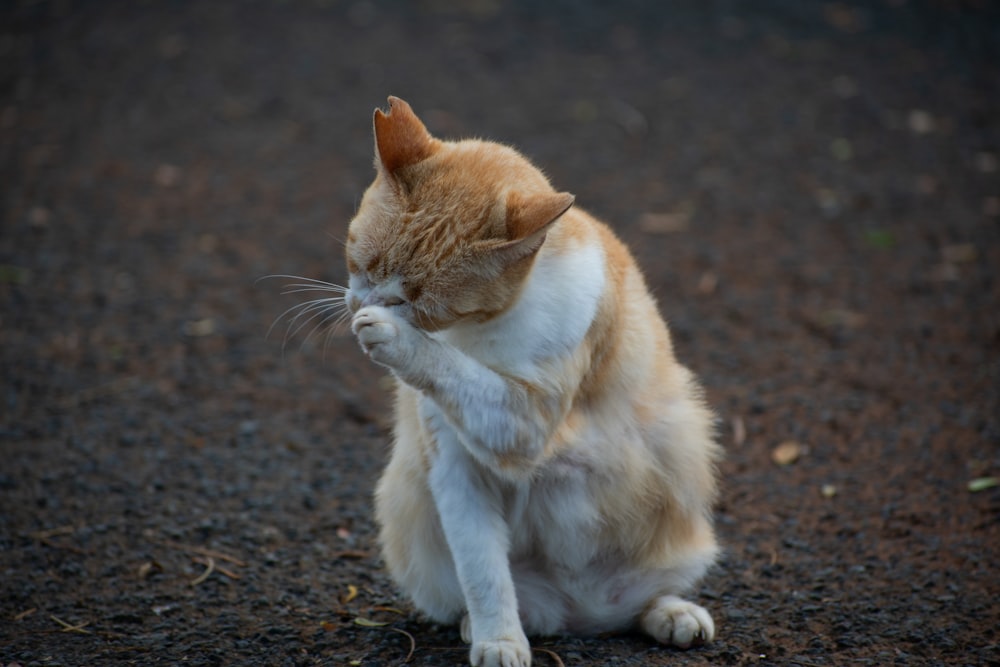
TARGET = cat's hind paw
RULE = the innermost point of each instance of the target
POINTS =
(501, 653)
(676, 622)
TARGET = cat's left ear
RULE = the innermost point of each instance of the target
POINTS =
(401, 140)
(529, 218)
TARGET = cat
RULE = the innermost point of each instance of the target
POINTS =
(553, 465)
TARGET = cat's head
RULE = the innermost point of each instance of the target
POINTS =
(448, 231)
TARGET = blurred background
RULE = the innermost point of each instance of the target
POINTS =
(813, 191)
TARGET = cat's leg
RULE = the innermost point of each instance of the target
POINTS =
(676, 622)
(540, 605)
(413, 545)
(478, 539)
(502, 422)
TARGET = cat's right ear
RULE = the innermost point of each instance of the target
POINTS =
(529, 216)
(528, 221)
(401, 140)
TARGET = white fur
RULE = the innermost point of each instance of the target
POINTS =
(550, 318)
(524, 541)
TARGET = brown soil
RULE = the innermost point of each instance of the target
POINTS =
(813, 190)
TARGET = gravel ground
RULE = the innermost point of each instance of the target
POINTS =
(812, 188)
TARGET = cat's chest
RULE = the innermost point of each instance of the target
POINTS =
(550, 318)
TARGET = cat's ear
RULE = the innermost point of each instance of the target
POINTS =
(530, 215)
(401, 139)
(528, 220)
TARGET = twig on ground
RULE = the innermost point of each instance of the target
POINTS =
(53, 532)
(368, 623)
(69, 627)
(218, 568)
(413, 642)
(209, 569)
(551, 654)
(45, 537)
(201, 551)
(99, 391)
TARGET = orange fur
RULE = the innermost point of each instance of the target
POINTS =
(459, 253)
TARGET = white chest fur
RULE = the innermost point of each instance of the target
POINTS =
(549, 319)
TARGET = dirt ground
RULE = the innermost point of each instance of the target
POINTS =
(813, 189)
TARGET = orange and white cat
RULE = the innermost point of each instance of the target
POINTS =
(553, 467)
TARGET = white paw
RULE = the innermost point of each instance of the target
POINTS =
(501, 653)
(671, 620)
(373, 326)
(382, 335)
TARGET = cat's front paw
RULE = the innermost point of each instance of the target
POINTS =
(382, 335)
(501, 653)
(677, 622)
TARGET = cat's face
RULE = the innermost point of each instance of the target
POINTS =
(420, 261)
(446, 232)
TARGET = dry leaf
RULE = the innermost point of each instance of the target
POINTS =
(920, 121)
(708, 283)
(842, 317)
(983, 483)
(166, 175)
(959, 253)
(786, 453)
(739, 431)
(368, 623)
(945, 273)
(841, 149)
(987, 163)
(148, 568)
(391, 610)
(352, 592)
(200, 328)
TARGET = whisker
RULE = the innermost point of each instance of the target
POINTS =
(288, 289)
(290, 333)
(342, 242)
(345, 314)
(313, 281)
(342, 318)
(304, 306)
(323, 323)
(281, 317)
(316, 308)
(328, 313)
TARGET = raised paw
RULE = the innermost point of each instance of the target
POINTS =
(676, 622)
(373, 326)
(501, 653)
